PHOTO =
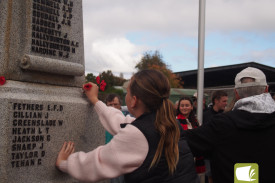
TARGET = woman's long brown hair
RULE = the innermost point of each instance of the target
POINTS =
(153, 89)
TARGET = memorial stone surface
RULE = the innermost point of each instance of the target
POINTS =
(42, 103)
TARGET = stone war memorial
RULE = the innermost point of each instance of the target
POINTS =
(42, 103)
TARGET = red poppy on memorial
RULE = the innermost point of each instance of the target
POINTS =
(87, 86)
(2, 80)
(97, 79)
(101, 84)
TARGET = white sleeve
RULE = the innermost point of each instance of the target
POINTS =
(123, 154)
(111, 118)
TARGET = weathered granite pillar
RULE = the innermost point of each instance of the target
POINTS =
(42, 104)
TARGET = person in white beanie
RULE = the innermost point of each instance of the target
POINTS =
(244, 135)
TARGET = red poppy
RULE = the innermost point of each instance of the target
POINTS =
(87, 86)
(98, 79)
(102, 88)
(2, 80)
(102, 85)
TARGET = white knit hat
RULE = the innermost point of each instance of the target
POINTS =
(250, 72)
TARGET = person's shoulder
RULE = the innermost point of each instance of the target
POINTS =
(207, 111)
(234, 114)
(229, 120)
(224, 121)
(208, 115)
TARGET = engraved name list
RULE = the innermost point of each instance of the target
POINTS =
(31, 131)
(50, 18)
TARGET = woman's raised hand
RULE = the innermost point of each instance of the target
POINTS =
(91, 91)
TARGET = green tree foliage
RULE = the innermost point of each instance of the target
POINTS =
(150, 59)
(154, 61)
(90, 78)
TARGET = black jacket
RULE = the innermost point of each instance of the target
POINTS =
(185, 171)
(236, 137)
(209, 114)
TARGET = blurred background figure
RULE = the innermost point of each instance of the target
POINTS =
(113, 100)
(219, 103)
(187, 119)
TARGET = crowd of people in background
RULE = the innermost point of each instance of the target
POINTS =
(186, 108)
(162, 142)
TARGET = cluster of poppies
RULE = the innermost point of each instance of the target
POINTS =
(102, 84)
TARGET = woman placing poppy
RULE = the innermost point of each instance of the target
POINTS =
(145, 148)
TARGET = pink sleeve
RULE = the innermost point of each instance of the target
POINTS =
(123, 154)
(111, 118)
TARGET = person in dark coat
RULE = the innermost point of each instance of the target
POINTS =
(244, 135)
(219, 102)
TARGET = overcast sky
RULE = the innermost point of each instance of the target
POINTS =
(118, 32)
